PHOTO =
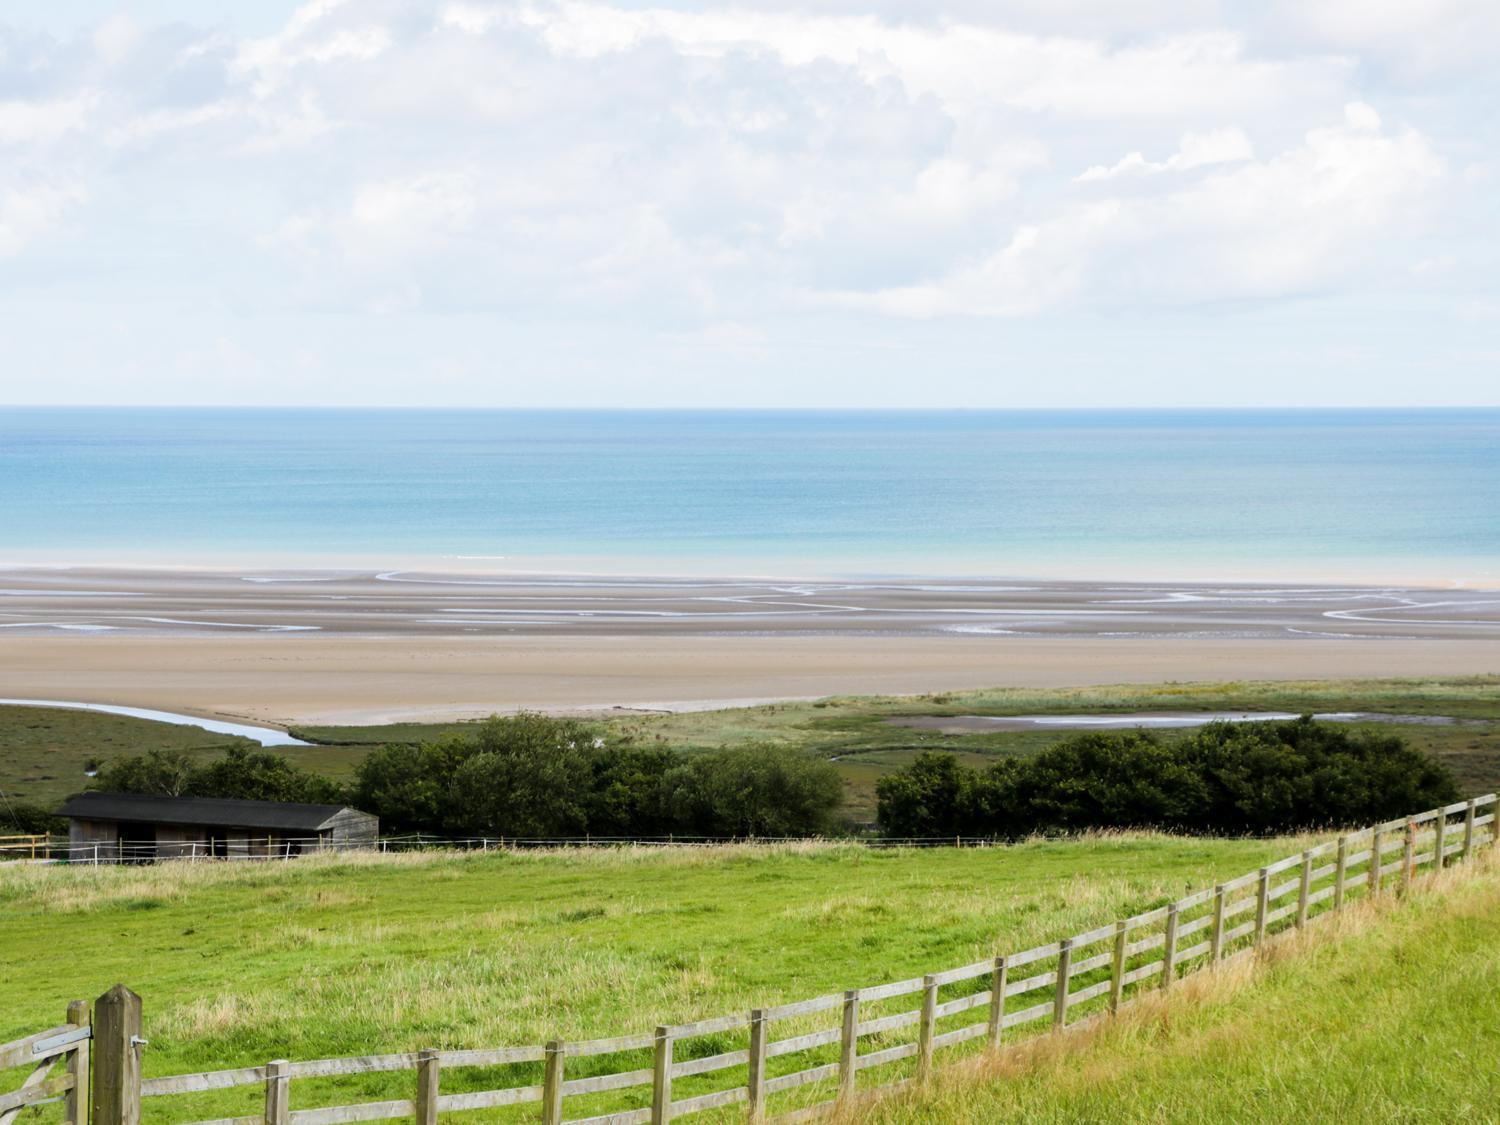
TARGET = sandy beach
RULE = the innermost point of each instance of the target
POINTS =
(375, 647)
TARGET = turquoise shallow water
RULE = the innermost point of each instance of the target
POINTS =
(1406, 494)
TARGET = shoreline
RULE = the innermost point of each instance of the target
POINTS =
(1463, 575)
(345, 680)
(360, 647)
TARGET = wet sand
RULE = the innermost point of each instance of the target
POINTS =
(363, 647)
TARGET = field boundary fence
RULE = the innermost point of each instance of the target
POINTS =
(791, 1061)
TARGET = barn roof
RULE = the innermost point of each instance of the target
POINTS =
(206, 811)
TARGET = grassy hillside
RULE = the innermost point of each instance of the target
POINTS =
(42, 752)
(1382, 1015)
(239, 963)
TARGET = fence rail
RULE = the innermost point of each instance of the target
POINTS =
(755, 1058)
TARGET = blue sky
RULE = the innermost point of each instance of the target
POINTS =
(841, 203)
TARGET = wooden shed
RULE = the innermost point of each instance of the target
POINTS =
(114, 827)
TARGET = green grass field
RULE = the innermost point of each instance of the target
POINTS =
(239, 963)
(43, 752)
(1379, 1016)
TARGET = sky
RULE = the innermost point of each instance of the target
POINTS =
(833, 203)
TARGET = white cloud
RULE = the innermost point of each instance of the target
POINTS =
(1218, 146)
(1261, 229)
(743, 173)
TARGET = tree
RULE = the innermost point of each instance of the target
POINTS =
(755, 791)
(927, 798)
(164, 773)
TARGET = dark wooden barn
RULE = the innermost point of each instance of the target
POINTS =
(112, 827)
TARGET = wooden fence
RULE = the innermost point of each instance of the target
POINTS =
(835, 1045)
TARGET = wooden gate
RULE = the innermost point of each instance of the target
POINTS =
(67, 1045)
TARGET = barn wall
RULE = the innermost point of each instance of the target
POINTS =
(351, 828)
(175, 841)
(84, 835)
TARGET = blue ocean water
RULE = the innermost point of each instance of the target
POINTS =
(1070, 493)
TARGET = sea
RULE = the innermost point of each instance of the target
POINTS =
(1355, 495)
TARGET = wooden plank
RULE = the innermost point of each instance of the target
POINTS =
(627, 1117)
(926, 1029)
(361, 1064)
(891, 1022)
(75, 1105)
(1262, 899)
(363, 1111)
(1117, 972)
(895, 988)
(963, 1003)
(997, 1001)
(1340, 871)
(1184, 955)
(711, 1101)
(599, 1083)
(278, 1093)
(586, 1047)
(966, 972)
(759, 1037)
(1322, 895)
(1304, 888)
(958, 1035)
(1097, 961)
(116, 1085)
(1439, 838)
(1169, 957)
(1064, 975)
(709, 1026)
(1184, 929)
(1409, 855)
(1099, 988)
(1027, 1015)
(708, 1063)
(1142, 972)
(1030, 984)
(1089, 937)
(428, 1076)
(1468, 829)
(888, 1055)
(807, 1007)
(1154, 941)
(803, 1077)
(488, 1099)
(1282, 912)
(205, 1080)
(802, 1042)
(661, 1078)
(36, 1089)
(1216, 938)
(554, 1075)
(18, 1052)
(849, 1045)
(1026, 957)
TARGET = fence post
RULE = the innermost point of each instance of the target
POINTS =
(1440, 840)
(1304, 886)
(1117, 974)
(1376, 861)
(1409, 856)
(1340, 868)
(926, 1028)
(661, 1078)
(427, 1087)
(77, 1067)
(278, 1092)
(552, 1082)
(997, 1002)
(1262, 901)
(116, 1089)
(849, 1045)
(1216, 933)
(1169, 949)
(1064, 974)
(759, 1027)
(1495, 822)
(1469, 828)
